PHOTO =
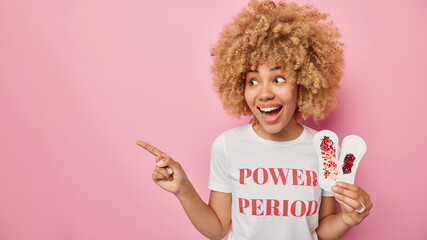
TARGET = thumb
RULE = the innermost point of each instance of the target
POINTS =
(167, 161)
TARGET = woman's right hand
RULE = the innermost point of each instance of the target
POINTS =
(168, 173)
(212, 220)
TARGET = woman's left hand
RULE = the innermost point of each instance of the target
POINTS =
(355, 202)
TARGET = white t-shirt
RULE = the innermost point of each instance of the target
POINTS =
(274, 187)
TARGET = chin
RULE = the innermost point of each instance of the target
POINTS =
(272, 129)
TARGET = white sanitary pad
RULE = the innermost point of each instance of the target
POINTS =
(335, 165)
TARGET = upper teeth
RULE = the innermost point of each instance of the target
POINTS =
(268, 109)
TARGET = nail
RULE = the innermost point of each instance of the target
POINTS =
(334, 188)
(159, 163)
(336, 195)
(170, 171)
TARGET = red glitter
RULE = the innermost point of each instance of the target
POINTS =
(348, 163)
(328, 151)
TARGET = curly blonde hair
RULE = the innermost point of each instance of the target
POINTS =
(296, 38)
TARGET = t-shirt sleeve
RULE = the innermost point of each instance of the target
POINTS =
(327, 193)
(219, 174)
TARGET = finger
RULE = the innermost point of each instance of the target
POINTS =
(350, 186)
(170, 171)
(166, 161)
(158, 176)
(346, 207)
(163, 172)
(355, 204)
(349, 193)
(370, 205)
(151, 149)
(158, 158)
(356, 216)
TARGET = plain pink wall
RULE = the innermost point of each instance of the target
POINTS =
(82, 80)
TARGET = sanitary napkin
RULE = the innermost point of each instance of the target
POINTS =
(336, 165)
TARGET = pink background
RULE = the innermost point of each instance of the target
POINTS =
(81, 81)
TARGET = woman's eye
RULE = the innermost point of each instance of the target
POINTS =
(253, 82)
(279, 80)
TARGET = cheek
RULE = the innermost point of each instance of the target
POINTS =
(289, 96)
(248, 97)
(250, 101)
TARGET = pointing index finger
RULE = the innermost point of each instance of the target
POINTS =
(156, 152)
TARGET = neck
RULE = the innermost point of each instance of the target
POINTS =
(291, 131)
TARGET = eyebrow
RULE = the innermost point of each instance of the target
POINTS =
(273, 69)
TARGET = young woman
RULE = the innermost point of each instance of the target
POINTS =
(280, 63)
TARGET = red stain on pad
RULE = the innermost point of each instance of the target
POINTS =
(329, 159)
(348, 163)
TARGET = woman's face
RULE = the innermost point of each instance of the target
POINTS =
(273, 100)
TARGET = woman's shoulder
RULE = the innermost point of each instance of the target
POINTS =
(237, 131)
(234, 133)
(309, 130)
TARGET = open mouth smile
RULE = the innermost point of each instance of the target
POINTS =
(270, 114)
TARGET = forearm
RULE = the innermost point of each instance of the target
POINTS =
(201, 215)
(332, 227)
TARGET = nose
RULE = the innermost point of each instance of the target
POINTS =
(266, 92)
